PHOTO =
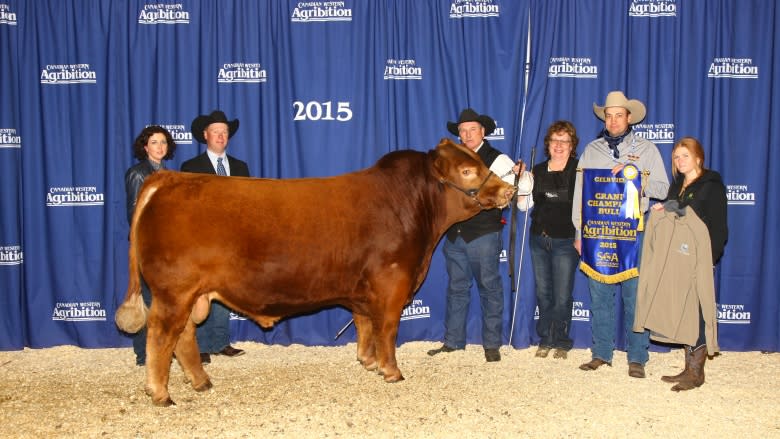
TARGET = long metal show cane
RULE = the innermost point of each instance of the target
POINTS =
(338, 334)
(522, 252)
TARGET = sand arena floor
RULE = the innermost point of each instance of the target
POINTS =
(297, 391)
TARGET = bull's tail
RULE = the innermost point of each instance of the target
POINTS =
(131, 315)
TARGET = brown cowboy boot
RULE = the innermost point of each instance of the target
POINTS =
(681, 375)
(695, 377)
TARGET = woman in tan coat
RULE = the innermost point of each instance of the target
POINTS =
(702, 191)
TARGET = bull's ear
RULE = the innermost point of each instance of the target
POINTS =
(439, 164)
(440, 155)
(446, 143)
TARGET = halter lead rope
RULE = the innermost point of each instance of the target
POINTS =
(469, 192)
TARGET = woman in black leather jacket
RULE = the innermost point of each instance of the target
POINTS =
(153, 145)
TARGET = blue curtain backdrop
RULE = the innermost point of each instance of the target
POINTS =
(324, 88)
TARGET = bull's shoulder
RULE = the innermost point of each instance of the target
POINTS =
(423, 169)
(172, 181)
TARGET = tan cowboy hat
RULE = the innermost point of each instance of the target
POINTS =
(618, 99)
(469, 115)
(204, 120)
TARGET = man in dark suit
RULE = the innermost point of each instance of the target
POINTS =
(215, 130)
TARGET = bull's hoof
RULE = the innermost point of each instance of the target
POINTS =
(394, 379)
(370, 366)
(392, 375)
(206, 385)
(167, 402)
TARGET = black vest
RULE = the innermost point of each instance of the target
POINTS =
(553, 197)
(486, 221)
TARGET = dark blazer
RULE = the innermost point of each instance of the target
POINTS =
(202, 165)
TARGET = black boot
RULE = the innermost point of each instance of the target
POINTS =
(681, 375)
(444, 348)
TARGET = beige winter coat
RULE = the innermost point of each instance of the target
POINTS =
(675, 278)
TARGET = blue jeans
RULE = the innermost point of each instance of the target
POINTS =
(602, 308)
(475, 260)
(555, 262)
(214, 333)
(139, 339)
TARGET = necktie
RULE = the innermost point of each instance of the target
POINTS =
(220, 167)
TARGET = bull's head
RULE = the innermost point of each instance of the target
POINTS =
(461, 169)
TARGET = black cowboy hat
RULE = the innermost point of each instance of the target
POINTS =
(204, 120)
(469, 115)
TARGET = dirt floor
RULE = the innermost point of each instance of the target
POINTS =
(297, 391)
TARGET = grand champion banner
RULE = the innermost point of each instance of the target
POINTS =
(611, 219)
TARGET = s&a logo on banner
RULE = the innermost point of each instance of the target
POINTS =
(63, 74)
(416, 310)
(572, 67)
(242, 72)
(474, 9)
(734, 68)
(11, 255)
(611, 219)
(161, 13)
(304, 12)
(181, 135)
(6, 15)
(74, 196)
(652, 8)
(9, 138)
(402, 69)
(78, 312)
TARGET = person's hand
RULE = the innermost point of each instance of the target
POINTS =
(578, 246)
(619, 167)
(658, 206)
(519, 168)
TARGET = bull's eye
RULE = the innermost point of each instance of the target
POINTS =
(466, 172)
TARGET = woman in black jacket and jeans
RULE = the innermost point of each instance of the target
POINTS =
(702, 189)
(153, 145)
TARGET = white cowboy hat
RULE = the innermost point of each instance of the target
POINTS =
(618, 99)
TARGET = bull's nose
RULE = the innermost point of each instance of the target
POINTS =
(507, 193)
